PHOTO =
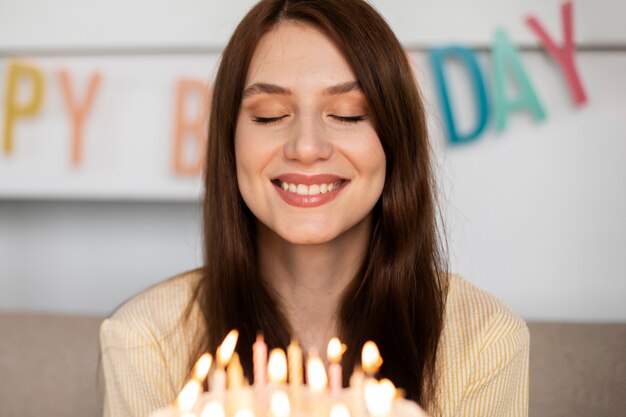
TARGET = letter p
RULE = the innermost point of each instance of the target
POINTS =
(13, 109)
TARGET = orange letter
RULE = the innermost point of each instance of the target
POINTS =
(78, 111)
(193, 128)
(13, 109)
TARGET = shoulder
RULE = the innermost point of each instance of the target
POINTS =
(476, 324)
(481, 338)
(482, 359)
(475, 313)
(151, 315)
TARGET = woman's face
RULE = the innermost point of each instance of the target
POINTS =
(309, 163)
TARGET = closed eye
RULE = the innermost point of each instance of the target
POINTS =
(348, 119)
(268, 120)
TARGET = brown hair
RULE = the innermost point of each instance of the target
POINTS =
(397, 299)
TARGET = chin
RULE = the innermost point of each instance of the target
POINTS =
(305, 236)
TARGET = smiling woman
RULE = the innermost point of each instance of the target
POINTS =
(305, 139)
(320, 220)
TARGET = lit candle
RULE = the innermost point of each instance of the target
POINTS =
(315, 373)
(202, 366)
(316, 377)
(357, 380)
(234, 373)
(188, 396)
(213, 409)
(277, 371)
(279, 405)
(277, 366)
(223, 355)
(339, 410)
(294, 354)
(379, 397)
(244, 412)
(334, 352)
(370, 358)
(259, 359)
(294, 359)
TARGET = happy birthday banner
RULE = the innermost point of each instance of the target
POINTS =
(120, 127)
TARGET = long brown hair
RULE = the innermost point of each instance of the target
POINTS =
(397, 299)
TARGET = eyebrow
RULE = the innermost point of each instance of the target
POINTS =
(267, 88)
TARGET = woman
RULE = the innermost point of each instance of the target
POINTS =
(320, 220)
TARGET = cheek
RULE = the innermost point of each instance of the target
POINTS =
(367, 154)
(252, 156)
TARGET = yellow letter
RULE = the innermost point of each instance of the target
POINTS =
(13, 109)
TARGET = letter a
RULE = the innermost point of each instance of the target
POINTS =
(504, 52)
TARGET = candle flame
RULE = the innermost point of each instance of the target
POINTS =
(189, 395)
(335, 350)
(202, 366)
(277, 366)
(279, 404)
(379, 397)
(339, 410)
(316, 374)
(213, 409)
(370, 358)
(226, 349)
(244, 412)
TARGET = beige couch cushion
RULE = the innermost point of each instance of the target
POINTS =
(48, 366)
(577, 369)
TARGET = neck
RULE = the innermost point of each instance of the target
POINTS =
(310, 279)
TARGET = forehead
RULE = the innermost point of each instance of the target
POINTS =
(296, 54)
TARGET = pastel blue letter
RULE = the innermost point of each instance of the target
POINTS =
(504, 52)
(467, 57)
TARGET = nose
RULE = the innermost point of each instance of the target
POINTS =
(307, 143)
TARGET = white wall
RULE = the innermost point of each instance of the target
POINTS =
(535, 215)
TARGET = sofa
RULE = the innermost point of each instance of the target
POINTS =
(49, 366)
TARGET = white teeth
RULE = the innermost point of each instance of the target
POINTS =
(313, 189)
(302, 189)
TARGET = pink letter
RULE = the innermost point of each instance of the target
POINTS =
(78, 112)
(563, 56)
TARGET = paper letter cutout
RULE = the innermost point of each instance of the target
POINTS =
(504, 52)
(195, 128)
(467, 57)
(78, 111)
(563, 56)
(13, 109)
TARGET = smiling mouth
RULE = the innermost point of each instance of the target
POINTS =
(308, 189)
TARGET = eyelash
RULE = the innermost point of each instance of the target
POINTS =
(349, 119)
(342, 119)
(267, 120)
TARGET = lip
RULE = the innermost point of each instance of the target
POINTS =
(297, 200)
(294, 178)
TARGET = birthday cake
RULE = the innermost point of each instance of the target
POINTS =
(272, 394)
